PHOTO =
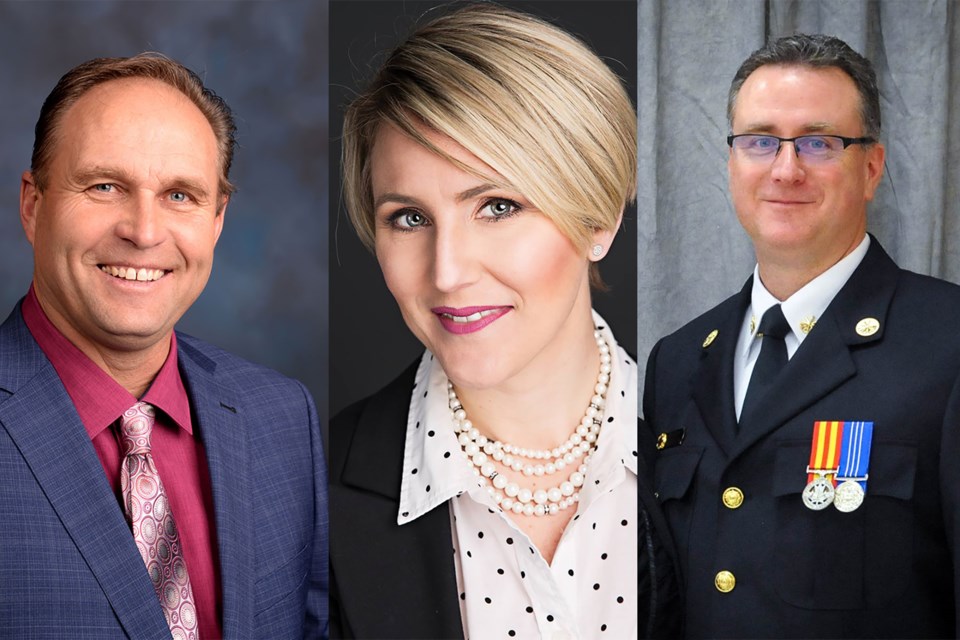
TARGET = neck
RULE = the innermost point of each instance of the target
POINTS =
(783, 275)
(542, 407)
(133, 369)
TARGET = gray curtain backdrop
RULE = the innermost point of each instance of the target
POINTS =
(692, 251)
(266, 299)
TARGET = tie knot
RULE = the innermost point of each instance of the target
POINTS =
(774, 324)
(136, 423)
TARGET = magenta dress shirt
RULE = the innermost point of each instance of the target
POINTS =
(178, 453)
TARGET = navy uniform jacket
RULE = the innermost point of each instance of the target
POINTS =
(885, 570)
(69, 567)
(390, 581)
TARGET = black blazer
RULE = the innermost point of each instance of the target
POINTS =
(400, 582)
(884, 570)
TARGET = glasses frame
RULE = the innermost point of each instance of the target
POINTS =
(845, 140)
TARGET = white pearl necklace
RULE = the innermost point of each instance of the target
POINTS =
(481, 452)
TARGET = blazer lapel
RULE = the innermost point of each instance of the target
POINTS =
(413, 563)
(219, 419)
(824, 361)
(40, 418)
(713, 383)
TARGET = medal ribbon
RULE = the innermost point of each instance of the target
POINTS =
(856, 452)
(825, 448)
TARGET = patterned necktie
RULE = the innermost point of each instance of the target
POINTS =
(154, 530)
(772, 359)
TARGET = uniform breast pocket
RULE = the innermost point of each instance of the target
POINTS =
(673, 486)
(832, 560)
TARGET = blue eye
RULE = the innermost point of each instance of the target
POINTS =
(817, 146)
(103, 188)
(500, 208)
(408, 219)
(765, 143)
(179, 196)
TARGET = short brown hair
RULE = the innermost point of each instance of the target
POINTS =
(152, 66)
(816, 51)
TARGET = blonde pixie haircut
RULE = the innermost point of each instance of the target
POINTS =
(525, 97)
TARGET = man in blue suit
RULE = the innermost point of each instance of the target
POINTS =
(150, 484)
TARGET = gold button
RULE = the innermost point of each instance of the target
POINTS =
(661, 441)
(710, 338)
(868, 327)
(732, 497)
(725, 582)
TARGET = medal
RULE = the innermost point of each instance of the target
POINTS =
(848, 496)
(855, 460)
(819, 493)
(824, 458)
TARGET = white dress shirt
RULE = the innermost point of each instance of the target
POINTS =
(506, 587)
(801, 311)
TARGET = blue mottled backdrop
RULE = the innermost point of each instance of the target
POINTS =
(266, 299)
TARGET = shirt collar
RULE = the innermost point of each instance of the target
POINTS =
(97, 397)
(804, 307)
(431, 477)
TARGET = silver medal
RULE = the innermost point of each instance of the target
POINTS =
(849, 496)
(818, 494)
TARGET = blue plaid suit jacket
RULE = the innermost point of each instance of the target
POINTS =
(68, 564)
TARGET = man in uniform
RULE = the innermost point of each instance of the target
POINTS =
(808, 428)
(150, 484)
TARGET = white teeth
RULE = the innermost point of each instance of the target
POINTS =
(131, 273)
(473, 317)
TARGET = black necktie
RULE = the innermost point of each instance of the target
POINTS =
(773, 357)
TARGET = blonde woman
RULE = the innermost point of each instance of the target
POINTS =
(491, 491)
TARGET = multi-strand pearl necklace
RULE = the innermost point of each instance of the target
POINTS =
(482, 453)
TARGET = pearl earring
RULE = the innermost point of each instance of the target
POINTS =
(597, 250)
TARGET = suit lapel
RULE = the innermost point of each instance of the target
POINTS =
(219, 418)
(713, 383)
(821, 364)
(41, 420)
(413, 564)
(824, 361)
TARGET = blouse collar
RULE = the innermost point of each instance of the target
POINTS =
(434, 469)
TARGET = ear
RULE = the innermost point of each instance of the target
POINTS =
(218, 221)
(29, 197)
(603, 238)
(873, 169)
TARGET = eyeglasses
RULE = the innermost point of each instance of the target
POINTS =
(814, 149)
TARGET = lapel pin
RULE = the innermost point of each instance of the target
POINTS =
(710, 338)
(670, 439)
(753, 324)
(868, 327)
(807, 324)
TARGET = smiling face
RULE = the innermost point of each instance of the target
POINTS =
(124, 230)
(796, 212)
(482, 278)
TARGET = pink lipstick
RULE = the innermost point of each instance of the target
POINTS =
(468, 319)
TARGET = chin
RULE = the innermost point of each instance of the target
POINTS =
(473, 373)
(132, 337)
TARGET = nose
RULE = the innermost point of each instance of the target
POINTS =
(140, 223)
(455, 263)
(786, 165)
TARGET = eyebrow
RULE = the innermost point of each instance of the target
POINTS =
(99, 173)
(399, 198)
(768, 127)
